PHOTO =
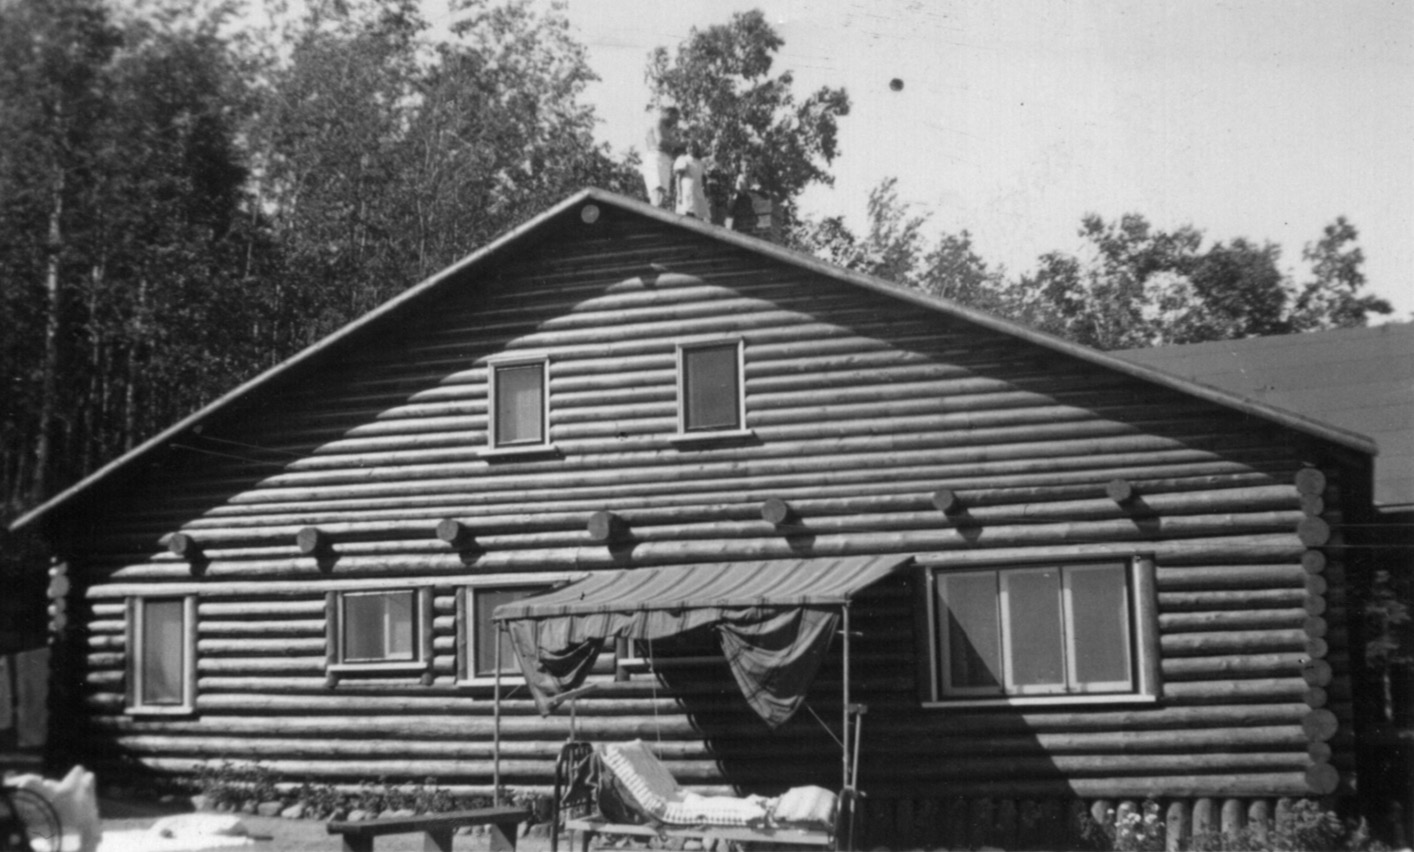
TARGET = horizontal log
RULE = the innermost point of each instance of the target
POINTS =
(1243, 784)
(1242, 641)
(932, 547)
(1207, 601)
(1255, 619)
(1242, 665)
(1257, 689)
(1164, 472)
(1229, 577)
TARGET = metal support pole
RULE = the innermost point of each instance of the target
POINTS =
(844, 728)
(496, 725)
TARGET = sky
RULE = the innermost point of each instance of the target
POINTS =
(1263, 119)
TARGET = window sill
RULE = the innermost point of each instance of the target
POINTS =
(356, 669)
(701, 439)
(161, 710)
(1040, 701)
(507, 680)
(538, 451)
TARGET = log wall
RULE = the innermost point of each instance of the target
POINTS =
(864, 411)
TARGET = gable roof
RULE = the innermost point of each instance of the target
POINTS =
(1356, 378)
(538, 226)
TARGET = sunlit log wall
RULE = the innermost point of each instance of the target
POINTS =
(863, 407)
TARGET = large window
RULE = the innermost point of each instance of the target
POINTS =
(1045, 632)
(377, 630)
(519, 414)
(161, 645)
(476, 632)
(710, 397)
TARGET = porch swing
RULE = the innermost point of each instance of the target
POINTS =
(775, 622)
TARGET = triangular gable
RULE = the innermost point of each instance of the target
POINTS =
(380, 317)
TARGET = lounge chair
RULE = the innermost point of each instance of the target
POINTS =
(623, 789)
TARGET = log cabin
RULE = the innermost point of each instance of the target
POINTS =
(1117, 584)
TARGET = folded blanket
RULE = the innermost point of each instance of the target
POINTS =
(659, 797)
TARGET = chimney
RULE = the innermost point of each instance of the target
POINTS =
(752, 211)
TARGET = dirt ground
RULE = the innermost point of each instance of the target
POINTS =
(285, 835)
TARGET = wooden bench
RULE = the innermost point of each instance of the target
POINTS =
(436, 829)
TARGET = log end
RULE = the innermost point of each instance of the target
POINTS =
(451, 531)
(1310, 480)
(310, 540)
(1313, 561)
(1120, 490)
(1317, 672)
(776, 511)
(1315, 627)
(1322, 779)
(1313, 532)
(947, 501)
(1319, 725)
(184, 546)
(604, 526)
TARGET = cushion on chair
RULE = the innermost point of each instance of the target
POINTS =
(806, 807)
(659, 796)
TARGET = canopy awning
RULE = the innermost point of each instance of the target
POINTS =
(780, 583)
(774, 620)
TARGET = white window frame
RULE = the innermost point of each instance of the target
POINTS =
(494, 447)
(336, 616)
(1143, 652)
(136, 611)
(466, 614)
(684, 435)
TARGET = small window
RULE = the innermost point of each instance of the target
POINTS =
(519, 414)
(162, 654)
(476, 632)
(710, 397)
(1059, 632)
(380, 630)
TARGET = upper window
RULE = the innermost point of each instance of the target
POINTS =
(380, 630)
(161, 654)
(710, 397)
(519, 414)
(476, 632)
(1058, 632)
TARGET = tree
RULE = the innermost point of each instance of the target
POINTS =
(895, 248)
(747, 120)
(385, 154)
(1330, 299)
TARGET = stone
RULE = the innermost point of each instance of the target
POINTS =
(359, 815)
(269, 809)
(201, 803)
(399, 813)
(295, 811)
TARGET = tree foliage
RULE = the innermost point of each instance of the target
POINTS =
(1131, 285)
(746, 119)
(183, 208)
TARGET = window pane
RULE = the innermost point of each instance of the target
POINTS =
(379, 626)
(968, 604)
(163, 651)
(710, 388)
(484, 602)
(1099, 625)
(1035, 646)
(520, 404)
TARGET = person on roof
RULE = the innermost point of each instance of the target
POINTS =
(662, 146)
